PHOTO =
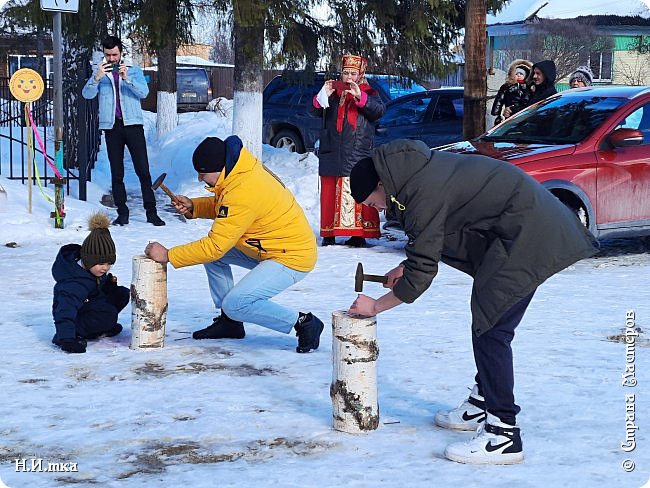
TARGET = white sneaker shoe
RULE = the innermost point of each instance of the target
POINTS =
(466, 416)
(494, 443)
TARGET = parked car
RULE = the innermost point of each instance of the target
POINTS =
(433, 116)
(590, 147)
(193, 89)
(287, 119)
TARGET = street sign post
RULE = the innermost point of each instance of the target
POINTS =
(60, 5)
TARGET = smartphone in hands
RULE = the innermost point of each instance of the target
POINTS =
(340, 85)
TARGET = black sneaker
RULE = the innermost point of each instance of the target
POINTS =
(121, 220)
(308, 329)
(153, 218)
(355, 241)
(223, 327)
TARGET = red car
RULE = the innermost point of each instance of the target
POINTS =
(590, 147)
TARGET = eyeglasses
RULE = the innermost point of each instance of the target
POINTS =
(349, 73)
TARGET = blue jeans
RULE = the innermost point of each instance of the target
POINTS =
(249, 299)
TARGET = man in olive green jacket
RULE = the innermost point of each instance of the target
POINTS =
(492, 221)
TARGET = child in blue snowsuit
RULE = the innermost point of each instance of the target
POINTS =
(87, 298)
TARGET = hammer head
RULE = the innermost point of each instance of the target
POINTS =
(156, 184)
(358, 279)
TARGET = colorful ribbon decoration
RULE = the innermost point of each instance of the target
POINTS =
(31, 128)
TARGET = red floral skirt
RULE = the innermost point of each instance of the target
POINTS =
(340, 215)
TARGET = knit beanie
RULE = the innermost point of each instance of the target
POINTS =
(98, 247)
(209, 156)
(584, 74)
(523, 70)
(363, 179)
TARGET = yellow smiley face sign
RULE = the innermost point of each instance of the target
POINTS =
(26, 85)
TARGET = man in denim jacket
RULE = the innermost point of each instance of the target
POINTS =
(120, 117)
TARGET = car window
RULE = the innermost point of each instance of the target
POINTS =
(639, 120)
(406, 112)
(562, 120)
(282, 94)
(394, 87)
(193, 76)
(449, 107)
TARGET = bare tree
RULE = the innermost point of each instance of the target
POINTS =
(636, 73)
(222, 45)
(567, 42)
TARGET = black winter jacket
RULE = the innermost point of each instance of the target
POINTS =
(547, 88)
(512, 95)
(74, 286)
(481, 216)
(340, 151)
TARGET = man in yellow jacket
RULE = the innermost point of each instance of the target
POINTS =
(258, 225)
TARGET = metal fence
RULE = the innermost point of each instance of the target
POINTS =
(80, 133)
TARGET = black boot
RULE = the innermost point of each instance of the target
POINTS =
(121, 219)
(328, 241)
(113, 331)
(223, 327)
(152, 218)
(308, 329)
(355, 241)
(122, 215)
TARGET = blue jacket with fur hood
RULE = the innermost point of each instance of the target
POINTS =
(74, 286)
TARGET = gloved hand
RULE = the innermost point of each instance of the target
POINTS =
(110, 285)
(77, 345)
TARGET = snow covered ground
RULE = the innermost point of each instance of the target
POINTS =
(255, 413)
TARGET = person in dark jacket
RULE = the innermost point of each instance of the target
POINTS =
(348, 135)
(542, 83)
(543, 78)
(494, 222)
(87, 298)
(515, 92)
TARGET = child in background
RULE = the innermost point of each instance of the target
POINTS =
(514, 93)
(87, 298)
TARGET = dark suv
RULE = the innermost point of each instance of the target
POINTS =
(193, 89)
(287, 118)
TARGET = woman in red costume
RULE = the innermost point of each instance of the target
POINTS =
(351, 108)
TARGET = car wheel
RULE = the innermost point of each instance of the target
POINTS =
(580, 212)
(288, 139)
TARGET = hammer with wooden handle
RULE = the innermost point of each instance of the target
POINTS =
(159, 184)
(359, 278)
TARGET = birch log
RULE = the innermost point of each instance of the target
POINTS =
(354, 373)
(148, 303)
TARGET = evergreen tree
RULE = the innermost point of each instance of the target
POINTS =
(82, 32)
(163, 24)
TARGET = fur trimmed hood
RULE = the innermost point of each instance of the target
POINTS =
(510, 79)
